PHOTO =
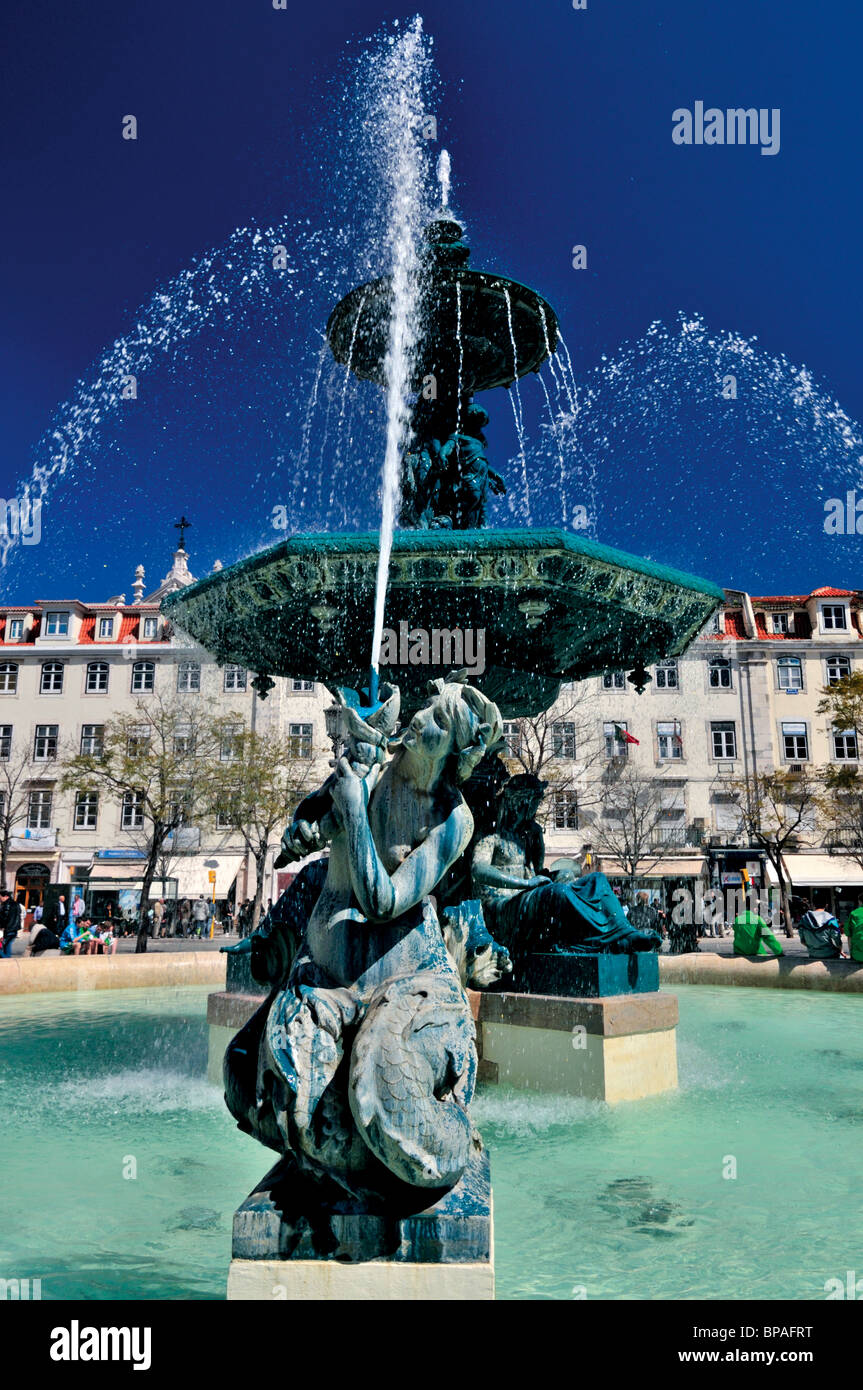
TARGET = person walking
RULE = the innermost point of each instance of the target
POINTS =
(61, 914)
(199, 915)
(854, 930)
(752, 935)
(159, 918)
(10, 922)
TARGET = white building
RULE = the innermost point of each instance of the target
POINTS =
(66, 668)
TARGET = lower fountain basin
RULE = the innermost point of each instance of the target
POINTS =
(524, 610)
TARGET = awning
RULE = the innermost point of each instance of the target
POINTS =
(105, 871)
(823, 870)
(193, 874)
(689, 867)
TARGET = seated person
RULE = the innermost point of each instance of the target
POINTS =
(752, 935)
(70, 939)
(104, 939)
(819, 931)
(854, 930)
(42, 939)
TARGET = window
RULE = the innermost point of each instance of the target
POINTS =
(795, 743)
(15, 630)
(227, 817)
(143, 676)
(52, 678)
(838, 667)
(92, 739)
(845, 745)
(512, 735)
(150, 628)
(302, 687)
(614, 680)
(834, 618)
(5, 742)
(45, 743)
(97, 678)
(719, 673)
(668, 739)
(301, 740)
(8, 677)
(789, 673)
(188, 677)
(718, 623)
(616, 745)
(180, 805)
(232, 743)
(184, 740)
(724, 740)
(86, 810)
(565, 810)
(57, 624)
(132, 815)
(563, 739)
(666, 675)
(235, 678)
(106, 627)
(778, 622)
(39, 808)
(138, 740)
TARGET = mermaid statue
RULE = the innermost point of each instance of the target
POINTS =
(361, 1064)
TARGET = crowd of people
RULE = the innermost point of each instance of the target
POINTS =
(80, 932)
(817, 927)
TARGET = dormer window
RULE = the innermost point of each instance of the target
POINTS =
(834, 617)
(15, 630)
(106, 628)
(151, 629)
(779, 623)
(57, 624)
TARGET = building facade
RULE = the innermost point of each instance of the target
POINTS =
(68, 667)
(740, 702)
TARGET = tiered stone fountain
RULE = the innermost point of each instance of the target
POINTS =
(359, 1066)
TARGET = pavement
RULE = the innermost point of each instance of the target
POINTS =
(169, 945)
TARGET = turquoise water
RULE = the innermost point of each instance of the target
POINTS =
(121, 1168)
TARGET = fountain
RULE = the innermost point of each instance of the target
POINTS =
(359, 1067)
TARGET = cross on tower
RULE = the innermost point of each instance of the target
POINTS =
(182, 526)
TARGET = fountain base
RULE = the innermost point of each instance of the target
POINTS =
(620, 1047)
(295, 1240)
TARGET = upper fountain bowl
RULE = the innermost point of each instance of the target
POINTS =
(478, 330)
(526, 610)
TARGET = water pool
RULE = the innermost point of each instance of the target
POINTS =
(121, 1167)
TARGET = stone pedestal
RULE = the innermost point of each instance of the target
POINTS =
(621, 1047)
(293, 1241)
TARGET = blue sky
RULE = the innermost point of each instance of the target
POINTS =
(559, 124)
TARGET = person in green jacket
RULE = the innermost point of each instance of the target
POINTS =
(854, 931)
(752, 936)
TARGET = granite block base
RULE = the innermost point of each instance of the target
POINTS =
(294, 1238)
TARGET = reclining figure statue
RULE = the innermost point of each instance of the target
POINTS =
(524, 909)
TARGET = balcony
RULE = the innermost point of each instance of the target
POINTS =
(677, 837)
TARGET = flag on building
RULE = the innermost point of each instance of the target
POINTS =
(622, 735)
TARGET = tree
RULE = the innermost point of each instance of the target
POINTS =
(15, 777)
(255, 787)
(559, 744)
(154, 761)
(774, 808)
(841, 805)
(631, 825)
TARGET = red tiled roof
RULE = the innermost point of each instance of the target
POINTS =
(802, 628)
(128, 627)
(88, 630)
(834, 593)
